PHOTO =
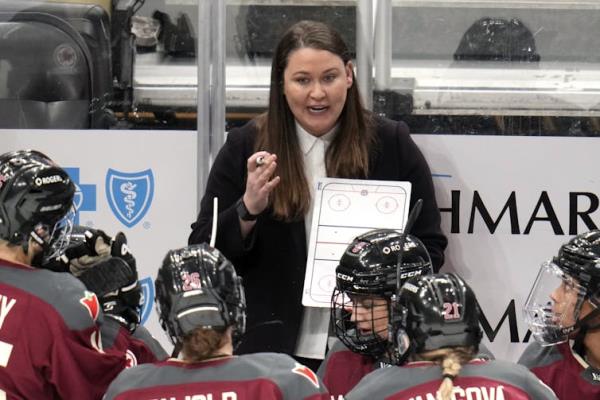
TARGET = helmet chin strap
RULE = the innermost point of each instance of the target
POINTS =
(394, 308)
(37, 258)
(585, 322)
(584, 325)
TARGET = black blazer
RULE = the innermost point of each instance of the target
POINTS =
(272, 259)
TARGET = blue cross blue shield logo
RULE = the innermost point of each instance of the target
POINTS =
(85, 194)
(129, 194)
(148, 293)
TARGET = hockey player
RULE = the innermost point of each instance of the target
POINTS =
(563, 314)
(202, 308)
(439, 332)
(366, 279)
(92, 256)
(106, 267)
(50, 344)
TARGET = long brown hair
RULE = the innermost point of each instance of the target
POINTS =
(348, 154)
(202, 343)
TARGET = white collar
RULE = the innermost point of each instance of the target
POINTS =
(307, 141)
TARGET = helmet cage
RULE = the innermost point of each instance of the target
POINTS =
(553, 306)
(364, 332)
(369, 269)
(59, 237)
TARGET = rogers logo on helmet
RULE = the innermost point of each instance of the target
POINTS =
(46, 180)
(388, 250)
(345, 277)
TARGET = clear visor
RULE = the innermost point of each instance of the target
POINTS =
(553, 305)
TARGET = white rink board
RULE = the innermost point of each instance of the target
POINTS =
(541, 171)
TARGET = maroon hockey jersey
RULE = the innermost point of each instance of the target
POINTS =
(264, 376)
(568, 374)
(342, 369)
(141, 346)
(50, 345)
(490, 380)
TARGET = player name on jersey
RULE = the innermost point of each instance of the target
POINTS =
(6, 305)
(470, 393)
(207, 396)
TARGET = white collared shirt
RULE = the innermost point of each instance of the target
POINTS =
(314, 328)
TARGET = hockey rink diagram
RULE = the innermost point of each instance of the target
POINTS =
(344, 209)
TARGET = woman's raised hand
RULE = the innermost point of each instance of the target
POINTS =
(261, 167)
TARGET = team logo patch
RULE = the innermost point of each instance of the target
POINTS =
(148, 293)
(306, 373)
(358, 247)
(130, 359)
(129, 194)
(96, 341)
(191, 281)
(90, 302)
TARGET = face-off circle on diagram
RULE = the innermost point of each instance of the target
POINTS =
(339, 202)
(387, 205)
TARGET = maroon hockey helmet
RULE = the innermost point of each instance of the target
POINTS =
(197, 287)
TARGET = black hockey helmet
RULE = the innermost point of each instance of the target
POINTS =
(35, 195)
(497, 39)
(369, 267)
(563, 284)
(196, 287)
(437, 311)
(580, 259)
(369, 264)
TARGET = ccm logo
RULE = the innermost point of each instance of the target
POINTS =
(409, 274)
(344, 277)
(40, 181)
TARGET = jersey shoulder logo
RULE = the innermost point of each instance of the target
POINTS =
(90, 302)
(130, 359)
(307, 373)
